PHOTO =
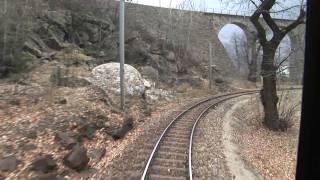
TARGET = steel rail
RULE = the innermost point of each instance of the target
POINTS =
(205, 111)
(196, 123)
(240, 93)
(175, 119)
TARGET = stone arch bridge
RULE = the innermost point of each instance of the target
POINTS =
(195, 29)
(296, 36)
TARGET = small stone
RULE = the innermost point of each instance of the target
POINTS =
(119, 133)
(15, 102)
(29, 147)
(219, 81)
(31, 134)
(147, 84)
(97, 154)
(7, 149)
(64, 140)
(60, 100)
(9, 163)
(43, 164)
(87, 131)
(51, 176)
(76, 159)
(171, 56)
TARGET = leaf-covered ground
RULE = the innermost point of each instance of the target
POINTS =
(272, 154)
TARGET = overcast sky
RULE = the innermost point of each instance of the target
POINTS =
(198, 4)
(209, 5)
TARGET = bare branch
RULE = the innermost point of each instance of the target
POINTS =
(285, 9)
(294, 24)
(271, 23)
(261, 31)
(285, 59)
(254, 3)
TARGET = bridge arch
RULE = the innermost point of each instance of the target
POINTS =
(296, 60)
(238, 40)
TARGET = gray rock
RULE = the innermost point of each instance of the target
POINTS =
(219, 80)
(50, 176)
(106, 77)
(76, 159)
(92, 31)
(150, 73)
(195, 81)
(43, 164)
(65, 140)
(47, 56)
(9, 163)
(58, 18)
(29, 147)
(60, 100)
(171, 56)
(15, 102)
(73, 82)
(119, 133)
(87, 130)
(31, 134)
(54, 43)
(97, 154)
(40, 44)
(153, 95)
(32, 49)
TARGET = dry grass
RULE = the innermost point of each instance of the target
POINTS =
(272, 154)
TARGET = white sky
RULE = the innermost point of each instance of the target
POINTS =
(198, 4)
(209, 5)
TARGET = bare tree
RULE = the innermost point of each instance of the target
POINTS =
(268, 67)
(246, 57)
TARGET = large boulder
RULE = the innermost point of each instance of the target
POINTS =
(106, 76)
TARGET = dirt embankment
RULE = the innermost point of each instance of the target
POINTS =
(271, 154)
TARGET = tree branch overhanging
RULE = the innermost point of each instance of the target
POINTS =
(297, 22)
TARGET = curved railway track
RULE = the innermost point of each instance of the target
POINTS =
(171, 155)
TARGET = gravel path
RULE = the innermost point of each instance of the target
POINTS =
(215, 155)
(208, 159)
(237, 166)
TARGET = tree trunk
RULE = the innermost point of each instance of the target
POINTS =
(252, 65)
(269, 96)
(253, 72)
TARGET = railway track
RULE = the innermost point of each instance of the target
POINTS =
(171, 154)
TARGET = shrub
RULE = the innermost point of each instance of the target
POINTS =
(287, 110)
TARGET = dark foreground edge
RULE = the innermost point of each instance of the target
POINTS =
(308, 165)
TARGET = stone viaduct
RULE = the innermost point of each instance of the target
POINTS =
(195, 29)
